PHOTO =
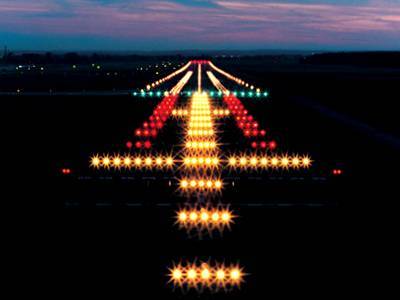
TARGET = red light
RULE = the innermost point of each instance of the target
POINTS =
(263, 144)
(254, 132)
(337, 172)
(129, 144)
(66, 171)
(147, 144)
(153, 133)
(262, 132)
(138, 145)
(254, 145)
(145, 125)
(250, 118)
(138, 132)
(272, 145)
(247, 133)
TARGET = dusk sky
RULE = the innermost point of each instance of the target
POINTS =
(200, 24)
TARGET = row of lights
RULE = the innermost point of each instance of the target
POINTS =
(242, 94)
(189, 218)
(200, 132)
(274, 161)
(128, 161)
(162, 80)
(204, 276)
(208, 184)
(179, 86)
(210, 161)
(236, 79)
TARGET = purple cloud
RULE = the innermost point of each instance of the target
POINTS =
(211, 23)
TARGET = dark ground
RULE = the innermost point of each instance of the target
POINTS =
(115, 237)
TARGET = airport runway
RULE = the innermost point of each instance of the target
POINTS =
(291, 228)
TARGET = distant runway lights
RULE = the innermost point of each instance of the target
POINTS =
(206, 276)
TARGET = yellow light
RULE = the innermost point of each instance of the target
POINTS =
(235, 274)
(220, 274)
(243, 161)
(201, 183)
(193, 216)
(204, 216)
(95, 162)
(184, 183)
(215, 217)
(218, 184)
(148, 161)
(209, 183)
(169, 161)
(138, 161)
(159, 161)
(295, 161)
(274, 161)
(264, 161)
(106, 161)
(193, 183)
(253, 161)
(177, 274)
(182, 216)
(191, 274)
(226, 217)
(306, 161)
(205, 274)
(232, 161)
(127, 161)
(116, 161)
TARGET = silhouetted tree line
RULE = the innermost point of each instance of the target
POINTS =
(378, 59)
(79, 58)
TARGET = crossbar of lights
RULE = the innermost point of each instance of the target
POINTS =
(129, 162)
(200, 184)
(201, 218)
(202, 276)
(234, 78)
(201, 162)
(166, 78)
(262, 162)
(217, 112)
